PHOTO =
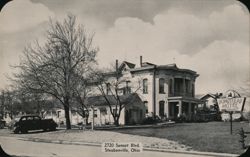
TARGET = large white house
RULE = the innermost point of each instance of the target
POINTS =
(165, 91)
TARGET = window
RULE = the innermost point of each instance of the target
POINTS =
(187, 83)
(161, 108)
(95, 113)
(170, 85)
(146, 105)
(161, 85)
(103, 111)
(29, 118)
(36, 118)
(58, 114)
(108, 90)
(85, 113)
(145, 86)
(193, 89)
(128, 87)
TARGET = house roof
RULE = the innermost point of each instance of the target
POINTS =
(208, 95)
(145, 64)
(163, 67)
(101, 101)
(130, 65)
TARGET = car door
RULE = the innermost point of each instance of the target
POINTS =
(30, 123)
(37, 123)
(25, 123)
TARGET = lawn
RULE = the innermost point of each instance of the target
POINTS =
(209, 137)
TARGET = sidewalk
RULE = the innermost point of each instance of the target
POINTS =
(144, 148)
(97, 137)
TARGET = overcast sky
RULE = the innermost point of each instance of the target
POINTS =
(208, 36)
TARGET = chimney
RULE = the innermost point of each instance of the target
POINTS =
(116, 65)
(141, 61)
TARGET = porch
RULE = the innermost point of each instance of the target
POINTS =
(182, 107)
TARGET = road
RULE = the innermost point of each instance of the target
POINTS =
(19, 147)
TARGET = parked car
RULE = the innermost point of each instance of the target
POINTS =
(26, 123)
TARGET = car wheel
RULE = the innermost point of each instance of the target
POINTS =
(24, 131)
(16, 131)
(53, 128)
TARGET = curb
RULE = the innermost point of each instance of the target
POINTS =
(145, 148)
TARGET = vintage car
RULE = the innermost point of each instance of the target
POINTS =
(32, 122)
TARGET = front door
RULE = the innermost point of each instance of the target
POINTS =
(161, 109)
(176, 111)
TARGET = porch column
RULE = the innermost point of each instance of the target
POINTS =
(190, 110)
(180, 108)
(195, 108)
(167, 109)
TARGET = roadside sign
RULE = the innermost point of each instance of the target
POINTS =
(231, 104)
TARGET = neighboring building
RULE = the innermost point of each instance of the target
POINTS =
(132, 113)
(58, 115)
(210, 101)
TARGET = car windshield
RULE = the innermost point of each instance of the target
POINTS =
(17, 119)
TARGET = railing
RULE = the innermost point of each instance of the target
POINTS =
(181, 94)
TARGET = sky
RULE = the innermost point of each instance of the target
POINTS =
(207, 36)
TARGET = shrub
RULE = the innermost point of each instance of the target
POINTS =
(150, 120)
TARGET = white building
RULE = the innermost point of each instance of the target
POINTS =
(165, 91)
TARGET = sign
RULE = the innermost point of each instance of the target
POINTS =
(231, 104)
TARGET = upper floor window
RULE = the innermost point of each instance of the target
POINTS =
(170, 85)
(193, 89)
(161, 85)
(145, 86)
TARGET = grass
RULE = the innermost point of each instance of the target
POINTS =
(208, 137)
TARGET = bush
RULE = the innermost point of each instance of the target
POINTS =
(150, 120)
(246, 115)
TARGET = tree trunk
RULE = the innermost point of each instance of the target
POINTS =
(87, 119)
(66, 110)
(116, 121)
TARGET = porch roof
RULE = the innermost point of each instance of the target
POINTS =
(125, 100)
(185, 99)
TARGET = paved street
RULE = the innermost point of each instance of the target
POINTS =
(19, 147)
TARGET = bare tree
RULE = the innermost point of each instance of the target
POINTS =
(52, 68)
(112, 86)
(81, 92)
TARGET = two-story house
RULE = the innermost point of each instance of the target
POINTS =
(165, 90)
